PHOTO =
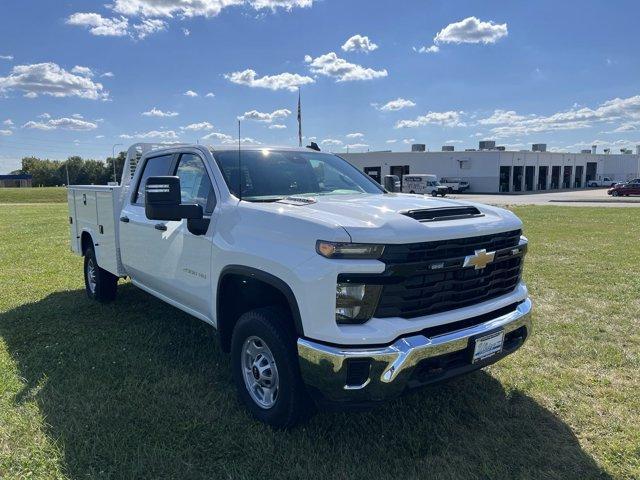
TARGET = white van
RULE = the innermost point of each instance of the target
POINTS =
(423, 184)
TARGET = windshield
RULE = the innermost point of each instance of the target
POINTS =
(270, 175)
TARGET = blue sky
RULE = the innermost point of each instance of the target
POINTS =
(77, 77)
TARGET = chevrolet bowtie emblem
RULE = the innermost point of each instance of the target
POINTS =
(480, 259)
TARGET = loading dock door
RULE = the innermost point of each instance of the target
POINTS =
(517, 179)
(375, 173)
(528, 178)
(543, 173)
(578, 181)
(592, 170)
(505, 173)
(555, 177)
(399, 170)
(566, 177)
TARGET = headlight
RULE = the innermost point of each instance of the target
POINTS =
(356, 303)
(349, 250)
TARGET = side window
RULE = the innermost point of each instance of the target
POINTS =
(153, 167)
(195, 184)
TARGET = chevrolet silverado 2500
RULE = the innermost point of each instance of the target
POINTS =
(322, 286)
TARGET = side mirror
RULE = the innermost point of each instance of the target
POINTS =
(162, 199)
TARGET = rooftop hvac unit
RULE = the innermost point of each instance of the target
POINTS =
(418, 147)
(501, 148)
(487, 144)
(539, 147)
(594, 148)
(448, 148)
(585, 151)
(637, 149)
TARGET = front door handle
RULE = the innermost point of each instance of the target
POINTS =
(160, 226)
(124, 219)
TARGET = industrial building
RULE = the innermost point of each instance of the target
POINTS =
(492, 169)
(20, 180)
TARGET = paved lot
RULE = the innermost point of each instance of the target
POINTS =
(596, 197)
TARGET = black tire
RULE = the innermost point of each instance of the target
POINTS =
(104, 286)
(615, 193)
(412, 191)
(292, 403)
(434, 193)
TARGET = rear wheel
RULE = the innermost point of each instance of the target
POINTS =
(99, 284)
(266, 369)
(434, 193)
(615, 193)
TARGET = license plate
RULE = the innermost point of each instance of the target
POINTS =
(488, 346)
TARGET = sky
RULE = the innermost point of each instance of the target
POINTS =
(85, 78)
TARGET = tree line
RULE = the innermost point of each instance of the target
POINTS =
(72, 171)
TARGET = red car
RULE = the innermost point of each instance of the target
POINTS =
(625, 189)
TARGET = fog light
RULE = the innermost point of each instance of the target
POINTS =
(356, 303)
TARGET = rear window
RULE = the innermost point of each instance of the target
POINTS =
(153, 167)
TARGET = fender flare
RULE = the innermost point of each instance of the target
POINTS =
(269, 279)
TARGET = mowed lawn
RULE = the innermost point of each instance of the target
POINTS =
(33, 195)
(137, 389)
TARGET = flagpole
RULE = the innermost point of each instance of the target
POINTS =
(299, 120)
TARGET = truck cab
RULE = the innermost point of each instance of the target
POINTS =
(323, 287)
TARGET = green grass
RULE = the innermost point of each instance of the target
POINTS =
(33, 195)
(137, 389)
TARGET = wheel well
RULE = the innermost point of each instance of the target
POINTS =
(240, 292)
(85, 241)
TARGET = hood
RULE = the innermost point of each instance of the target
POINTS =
(377, 218)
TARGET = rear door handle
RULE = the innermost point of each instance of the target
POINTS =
(124, 219)
(160, 226)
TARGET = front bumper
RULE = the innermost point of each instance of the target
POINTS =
(371, 374)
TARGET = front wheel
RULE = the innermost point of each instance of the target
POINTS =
(99, 284)
(615, 193)
(434, 193)
(266, 369)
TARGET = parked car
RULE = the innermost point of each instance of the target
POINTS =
(319, 283)
(625, 189)
(454, 184)
(634, 180)
(603, 182)
(423, 184)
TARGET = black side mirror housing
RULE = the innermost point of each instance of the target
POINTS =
(162, 201)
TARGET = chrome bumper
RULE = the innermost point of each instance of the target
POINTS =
(325, 367)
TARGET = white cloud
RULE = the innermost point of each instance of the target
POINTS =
(408, 141)
(8, 122)
(51, 79)
(5, 133)
(393, 140)
(625, 110)
(84, 71)
(99, 136)
(186, 32)
(197, 8)
(44, 115)
(356, 146)
(265, 116)
(78, 116)
(210, 95)
(331, 141)
(99, 25)
(160, 134)
(155, 112)
(149, 26)
(282, 81)
(425, 49)
(447, 119)
(331, 65)
(453, 141)
(197, 127)
(277, 126)
(221, 137)
(108, 74)
(359, 43)
(63, 123)
(190, 93)
(355, 135)
(6, 57)
(395, 105)
(472, 30)
(500, 117)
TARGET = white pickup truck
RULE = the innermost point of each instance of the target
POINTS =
(322, 286)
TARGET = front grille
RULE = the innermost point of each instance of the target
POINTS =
(429, 277)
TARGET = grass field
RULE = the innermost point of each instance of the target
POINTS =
(137, 389)
(33, 195)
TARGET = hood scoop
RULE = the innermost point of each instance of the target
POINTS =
(298, 201)
(442, 214)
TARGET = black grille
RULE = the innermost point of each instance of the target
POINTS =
(427, 278)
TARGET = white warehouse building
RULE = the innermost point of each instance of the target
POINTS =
(494, 170)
